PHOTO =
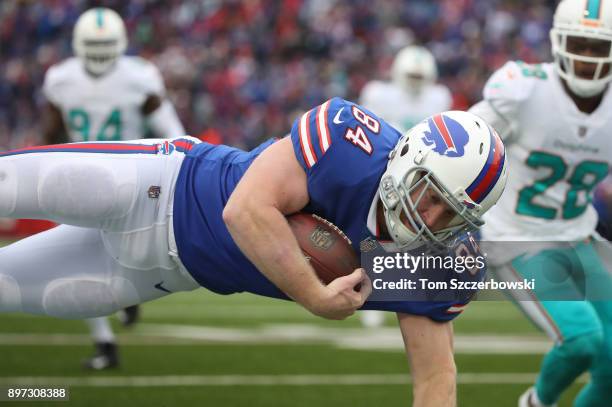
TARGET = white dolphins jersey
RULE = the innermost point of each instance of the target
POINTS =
(401, 109)
(107, 107)
(557, 154)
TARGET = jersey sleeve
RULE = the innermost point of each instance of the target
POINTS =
(512, 83)
(504, 94)
(371, 96)
(330, 132)
(51, 87)
(340, 146)
(445, 98)
(150, 79)
(437, 311)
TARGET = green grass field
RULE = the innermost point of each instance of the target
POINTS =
(203, 349)
(207, 350)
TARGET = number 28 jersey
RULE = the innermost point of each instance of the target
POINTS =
(344, 151)
(557, 155)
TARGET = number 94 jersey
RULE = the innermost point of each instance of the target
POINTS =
(106, 107)
(557, 155)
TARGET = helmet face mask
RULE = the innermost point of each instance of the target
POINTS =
(99, 39)
(404, 221)
(466, 179)
(581, 40)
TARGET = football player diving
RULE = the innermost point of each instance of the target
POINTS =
(141, 219)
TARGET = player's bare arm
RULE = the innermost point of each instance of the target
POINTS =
(429, 346)
(275, 185)
(151, 104)
(54, 130)
(161, 117)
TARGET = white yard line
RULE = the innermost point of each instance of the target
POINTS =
(381, 339)
(262, 380)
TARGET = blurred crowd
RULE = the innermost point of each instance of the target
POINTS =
(239, 71)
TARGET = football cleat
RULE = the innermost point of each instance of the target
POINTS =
(105, 357)
(530, 399)
(129, 316)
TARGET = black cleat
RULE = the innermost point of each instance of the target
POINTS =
(129, 316)
(106, 357)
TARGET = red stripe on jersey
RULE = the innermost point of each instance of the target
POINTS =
(456, 309)
(90, 146)
(183, 144)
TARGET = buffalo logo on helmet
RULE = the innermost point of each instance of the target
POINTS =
(446, 135)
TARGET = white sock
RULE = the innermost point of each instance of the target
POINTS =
(100, 329)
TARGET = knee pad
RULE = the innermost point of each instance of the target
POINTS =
(95, 190)
(583, 348)
(8, 188)
(87, 298)
(10, 294)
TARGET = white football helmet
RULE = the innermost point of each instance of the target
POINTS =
(413, 68)
(99, 38)
(457, 155)
(589, 19)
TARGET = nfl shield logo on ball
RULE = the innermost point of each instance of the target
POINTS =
(321, 238)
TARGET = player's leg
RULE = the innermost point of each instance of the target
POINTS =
(598, 392)
(573, 325)
(67, 272)
(63, 272)
(83, 184)
(129, 316)
(106, 354)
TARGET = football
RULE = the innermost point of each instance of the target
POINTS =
(326, 247)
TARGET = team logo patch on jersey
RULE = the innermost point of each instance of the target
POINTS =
(446, 135)
(165, 148)
(154, 191)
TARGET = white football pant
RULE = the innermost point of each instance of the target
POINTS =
(113, 249)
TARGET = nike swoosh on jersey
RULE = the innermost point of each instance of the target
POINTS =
(337, 117)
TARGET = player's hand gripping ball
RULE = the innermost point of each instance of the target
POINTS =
(328, 250)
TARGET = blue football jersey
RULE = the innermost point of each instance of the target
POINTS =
(343, 149)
